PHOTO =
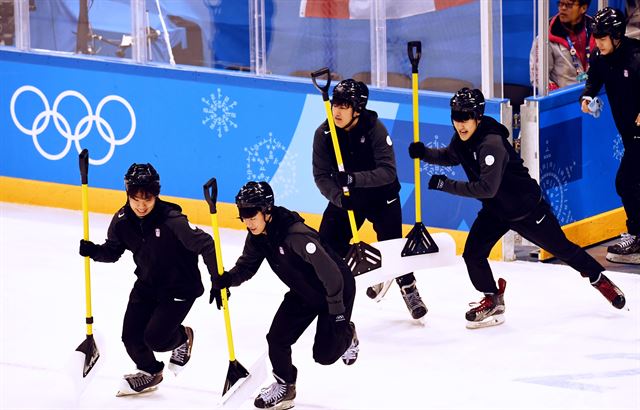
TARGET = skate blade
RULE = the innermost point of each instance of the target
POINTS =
(284, 405)
(131, 392)
(175, 369)
(383, 291)
(631, 259)
(494, 320)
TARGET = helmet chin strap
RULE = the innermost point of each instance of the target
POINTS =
(353, 118)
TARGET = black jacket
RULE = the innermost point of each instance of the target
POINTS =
(497, 176)
(620, 74)
(367, 152)
(297, 255)
(165, 250)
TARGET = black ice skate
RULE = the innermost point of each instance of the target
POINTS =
(350, 355)
(413, 300)
(625, 251)
(489, 311)
(278, 396)
(181, 354)
(610, 291)
(138, 383)
(377, 292)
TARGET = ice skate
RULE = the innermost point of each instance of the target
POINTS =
(610, 291)
(625, 251)
(377, 292)
(139, 383)
(413, 300)
(489, 311)
(278, 396)
(350, 355)
(181, 354)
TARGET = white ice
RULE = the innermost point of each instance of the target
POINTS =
(562, 345)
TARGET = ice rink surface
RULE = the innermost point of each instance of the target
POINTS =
(562, 345)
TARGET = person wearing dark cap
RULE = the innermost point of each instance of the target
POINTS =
(510, 198)
(320, 283)
(616, 65)
(371, 176)
(165, 250)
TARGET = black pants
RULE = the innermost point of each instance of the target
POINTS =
(628, 186)
(540, 227)
(151, 325)
(386, 218)
(291, 320)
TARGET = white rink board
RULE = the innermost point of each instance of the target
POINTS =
(394, 264)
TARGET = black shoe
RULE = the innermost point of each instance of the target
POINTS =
(278, 396)
(413, 300)
(140, 382)
(350, 355)
(181, 354)
(610, 291)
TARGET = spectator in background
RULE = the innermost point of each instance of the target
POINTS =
(616, 65)
(570, 45)
(633, 18)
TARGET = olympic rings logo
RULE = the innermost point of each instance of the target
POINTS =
(82, 128)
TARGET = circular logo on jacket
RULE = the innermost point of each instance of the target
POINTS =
(489, 160)
(389, 143)
(310, 248)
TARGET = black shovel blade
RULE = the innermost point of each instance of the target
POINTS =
(91, 354)
(363, 258)
(419, 242)
(236, 372)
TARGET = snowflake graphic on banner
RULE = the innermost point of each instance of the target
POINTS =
(266, 157)
(618, 148)
(553, 181)
(433, 169)
(218, 113)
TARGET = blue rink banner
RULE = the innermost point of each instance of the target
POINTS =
(579, 157)
(194, 125)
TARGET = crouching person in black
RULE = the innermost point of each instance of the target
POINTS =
(165, 250)
(320, 285)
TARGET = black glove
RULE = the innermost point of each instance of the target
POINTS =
(437, 182)
(88, 248)
(219, 282)
(217, 296)
(417, 150)
(346, 179)
(340, 323)
(345, 202)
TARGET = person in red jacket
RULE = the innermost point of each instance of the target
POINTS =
(570, 45)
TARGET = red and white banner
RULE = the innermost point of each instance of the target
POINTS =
(361, 9)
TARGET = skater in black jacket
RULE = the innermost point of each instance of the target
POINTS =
(165, 250)
(320, 286)
(616, 65)
(510, 198)
(371, 177)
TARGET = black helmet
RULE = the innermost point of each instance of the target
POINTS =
(142, 177)
(467, 104)
(355, 93)
(254, 197)
(608, 22)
